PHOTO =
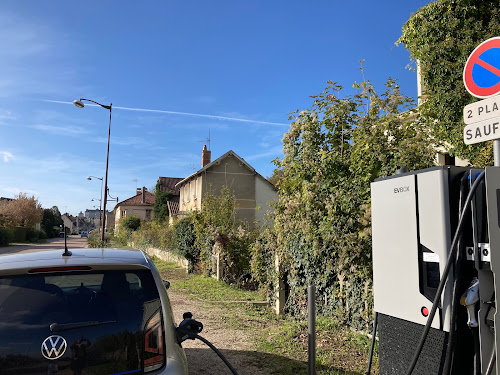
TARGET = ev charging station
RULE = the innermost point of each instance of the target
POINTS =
(436, 251)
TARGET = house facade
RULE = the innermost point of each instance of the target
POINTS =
(253, 193)
(140, 205)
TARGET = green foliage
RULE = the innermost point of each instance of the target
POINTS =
(321, 232)
(94, 240)
(160, 209)
(441, 36)
(51, 219)
(130, 223)
(185, 238)
(154, 234)
(4, 237)
(34, 235)
(217, 232)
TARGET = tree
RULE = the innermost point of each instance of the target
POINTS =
(160, 209)
(51, 220)
(23, 211)
(321, 231)
(441, 36)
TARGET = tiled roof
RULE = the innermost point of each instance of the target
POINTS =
(137, 200)
(168, 184)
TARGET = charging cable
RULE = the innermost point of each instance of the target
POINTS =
(190, 329)
(449, 262)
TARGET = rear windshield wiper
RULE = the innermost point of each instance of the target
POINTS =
(56, 327)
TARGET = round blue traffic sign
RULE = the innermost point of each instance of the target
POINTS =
(482, 70)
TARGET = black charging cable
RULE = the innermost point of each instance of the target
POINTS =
(190, 329)
(459, 259)
(449, 262)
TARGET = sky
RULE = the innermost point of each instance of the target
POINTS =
(177, 73)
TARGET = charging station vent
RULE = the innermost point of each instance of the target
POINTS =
(398, 341)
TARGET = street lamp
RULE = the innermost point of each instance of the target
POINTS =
(100, 200)
(79, 104)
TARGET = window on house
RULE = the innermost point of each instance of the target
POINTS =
(188, 188)
(195, 188)
(148, 214)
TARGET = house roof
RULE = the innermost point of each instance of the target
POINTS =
(168, 184)
(217, 161)
(137, 200)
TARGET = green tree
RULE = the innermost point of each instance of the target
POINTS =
(51, 219)
(441, 36)
(160, 209)
(321, 231)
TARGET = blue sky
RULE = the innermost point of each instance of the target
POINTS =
(246, 60)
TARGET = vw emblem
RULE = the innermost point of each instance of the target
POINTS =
(53, 347)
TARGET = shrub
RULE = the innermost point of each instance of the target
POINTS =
(94, 240)
(185, 239)
(130, 223)
(33, 235)
(4, 237)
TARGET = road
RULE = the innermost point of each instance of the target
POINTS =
(51, 244)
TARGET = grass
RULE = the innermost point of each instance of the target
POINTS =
(280, 342)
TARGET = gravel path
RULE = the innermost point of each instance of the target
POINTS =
(237, 348)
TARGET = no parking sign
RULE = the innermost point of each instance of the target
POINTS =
(482, 70)
(482, 79)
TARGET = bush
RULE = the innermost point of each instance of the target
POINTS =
(130, 223)
(4, 237)
(94, 240)
(33, 235)
(185, 239)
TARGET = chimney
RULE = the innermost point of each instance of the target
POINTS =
(144, 194)
(138, 191)
(205, 156)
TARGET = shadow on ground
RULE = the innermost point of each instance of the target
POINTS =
(206, 361)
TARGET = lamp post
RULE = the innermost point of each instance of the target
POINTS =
(100, 200)
(79, 104)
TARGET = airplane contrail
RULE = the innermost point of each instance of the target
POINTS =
(178, 113)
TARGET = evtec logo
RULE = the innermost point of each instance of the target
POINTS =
(401, 189)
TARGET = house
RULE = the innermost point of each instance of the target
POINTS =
(253, 192)
(68, 222)
(140, 205)
(168, 185)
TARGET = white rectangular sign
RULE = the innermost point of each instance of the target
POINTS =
(482, 110)
(482, 131)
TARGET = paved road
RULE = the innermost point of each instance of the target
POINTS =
(52, 244)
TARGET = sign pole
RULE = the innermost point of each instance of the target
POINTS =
(496, 152)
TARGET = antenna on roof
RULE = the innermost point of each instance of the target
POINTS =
(135, 180)
(66, 252)
(207, 141)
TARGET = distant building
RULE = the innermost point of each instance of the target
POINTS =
(253, 193)
(92, 214)
(140, 205)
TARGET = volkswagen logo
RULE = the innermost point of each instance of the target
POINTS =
(53, 347)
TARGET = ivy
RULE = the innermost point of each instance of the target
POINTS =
(322, 229)
(441, 36)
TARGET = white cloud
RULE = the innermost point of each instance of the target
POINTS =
(62, 130)
(6, 156)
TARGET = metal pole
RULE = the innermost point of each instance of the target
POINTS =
(100, 206)
(311, 336)
(496, 152)
(370, 356)
(106, 179)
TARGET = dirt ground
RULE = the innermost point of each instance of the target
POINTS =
(237, 348)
